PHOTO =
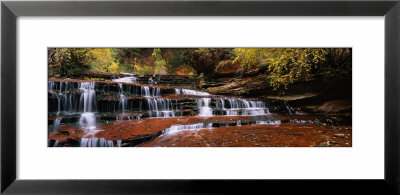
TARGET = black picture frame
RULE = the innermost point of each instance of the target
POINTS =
(10, 10)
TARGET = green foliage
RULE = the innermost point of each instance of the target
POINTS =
(126, 68)
(289, 65)
(66, 62)
(249, 57)
(103, 59)
(159, 62)
(283, 66)
(205, 60)
(127, 55)
(113, 67)
(177, 60)
(93, 79)
(202, 81)
(140, 69)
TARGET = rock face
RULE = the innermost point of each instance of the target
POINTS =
(129, 110)
(317, 96)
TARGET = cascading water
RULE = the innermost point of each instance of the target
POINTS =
(98, 142)
(130, 79)
(236, 107)
(160, 108)
(66, 100)
(191, 92)
(269, 122)
(156, 92)
(145, 91)
(289, 109)
(176, 128)
(151, 81)
(123, 102)
(75, 103)
(56, 124)
(204, 107)
(87, 100)
(150, 92)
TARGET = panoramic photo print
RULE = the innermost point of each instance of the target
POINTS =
(199, 97)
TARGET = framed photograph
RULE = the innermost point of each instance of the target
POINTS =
(221, 97)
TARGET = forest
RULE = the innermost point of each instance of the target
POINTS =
(283, 66)
(199, 97)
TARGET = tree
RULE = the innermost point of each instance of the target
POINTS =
(287, 65)
(66, 62)
(175, 61)
(159, 62)
(101, 58)
(249, 57)
(205, 60)
(291, 64)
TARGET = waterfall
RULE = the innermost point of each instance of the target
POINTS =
(56, 124)
(161, 108)
(236, 107)
(268, 122)
(156, 92)
(123, 102)
(204, 107)
(197, 126)
(191, 92)
(98, 142)
(289, 109)
(130, 79)
(146, 91)
(76, 106)
(87, 119)
(55, 143)
(151, 81)
(150, 92)
(51, 86)
(66, 100)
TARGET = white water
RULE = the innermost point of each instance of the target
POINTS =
(87, 119)
(156, 92)
(150, 92)
(236, 107)
(123, 101)
(98, 142)
(176, 128)
(268, 122)
(204, 107)
(290, 110)
(151, 81)
(56, 124)
(130, 79)
(120, 118)
(157, 107)
(191, 92)
(160, 108)
(66, 101)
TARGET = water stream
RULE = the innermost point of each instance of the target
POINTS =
(76, 103)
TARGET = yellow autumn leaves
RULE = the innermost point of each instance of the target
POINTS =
(287, 65)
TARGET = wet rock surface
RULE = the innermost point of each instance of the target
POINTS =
(259, 135)
(148, 111)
